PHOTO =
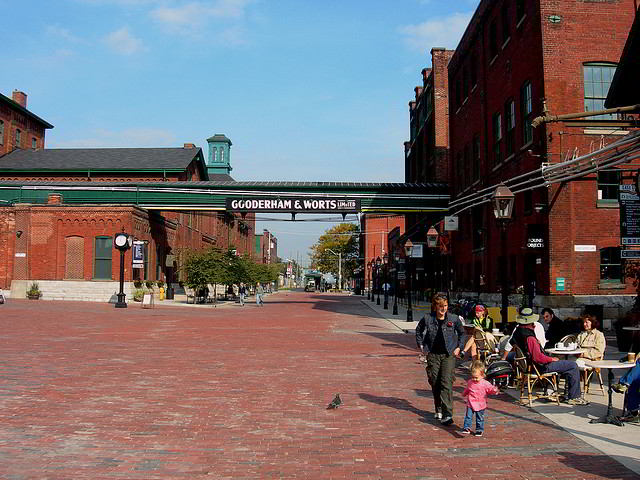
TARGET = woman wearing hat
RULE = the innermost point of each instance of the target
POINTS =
(483, 322)
(524, 337)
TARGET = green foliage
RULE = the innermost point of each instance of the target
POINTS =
(149, 284)
(34, 290)
(342, 238)
(160, 284)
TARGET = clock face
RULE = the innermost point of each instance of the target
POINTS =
(121, 240)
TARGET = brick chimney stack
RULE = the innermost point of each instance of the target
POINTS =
(20, 98)
(189, 145)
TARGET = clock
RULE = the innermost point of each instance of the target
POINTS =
(122, 241)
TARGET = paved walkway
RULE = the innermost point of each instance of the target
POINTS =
(621, 443)
(88, 391)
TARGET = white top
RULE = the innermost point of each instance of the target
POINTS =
(538, 329)
(609, 364)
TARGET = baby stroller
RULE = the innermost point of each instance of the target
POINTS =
(500, 373)
(2, 300)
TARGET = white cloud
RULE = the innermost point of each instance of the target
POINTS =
(129, 138)
(63, 33)
(123, 42)
(194, 14)
(437, 32)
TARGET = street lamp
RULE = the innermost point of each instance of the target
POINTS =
(502, 201)
(408, 250)
(432, 242)
(368, 286)
(378, 262)
(385, 286)
(122, 242)
(396, 258)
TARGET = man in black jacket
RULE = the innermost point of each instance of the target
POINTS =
(440, 335)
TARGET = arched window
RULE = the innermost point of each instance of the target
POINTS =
(18, 137)
(222, 155)
(34, 143)
(214, 151)
(1, 132)
(74, 260)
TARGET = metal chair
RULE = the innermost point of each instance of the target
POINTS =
(567, 339)
(531, 377)
(485, 344)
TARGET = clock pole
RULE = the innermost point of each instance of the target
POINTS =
(122, 242)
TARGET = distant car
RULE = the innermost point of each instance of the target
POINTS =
(310, 286)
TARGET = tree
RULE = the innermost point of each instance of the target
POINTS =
(342, 238)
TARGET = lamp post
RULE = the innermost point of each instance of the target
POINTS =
(378, 263)
(368, 286)
(408, 250)
(122, 242)
(396, 257)
(502, 201)
(432, 243)
(385, 285)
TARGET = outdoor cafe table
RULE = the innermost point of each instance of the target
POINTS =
(609, 365)
(567, 353)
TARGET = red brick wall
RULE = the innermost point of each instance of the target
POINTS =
(29, 128)
(376, 229)
(550, 56)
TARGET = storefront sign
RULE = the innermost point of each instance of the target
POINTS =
(535, 242)
(584, 248)
(294, 205)
(560, 284)
(629, 215)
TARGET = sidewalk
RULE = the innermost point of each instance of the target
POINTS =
(620, 443)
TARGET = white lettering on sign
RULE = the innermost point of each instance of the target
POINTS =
(584, 248)
(20, 254)
(535, 243)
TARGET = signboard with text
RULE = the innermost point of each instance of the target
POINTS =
(294, 205)
(629, 215)
(138, 254)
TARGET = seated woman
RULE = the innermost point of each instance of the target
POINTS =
(482, 322)
(591, 339)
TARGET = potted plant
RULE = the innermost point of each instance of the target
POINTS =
(34, 292)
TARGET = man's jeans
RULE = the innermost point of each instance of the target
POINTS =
(632, 378)
(259, 299)
(440, 372)
(242, 299)
(468, 417)
(569, 369)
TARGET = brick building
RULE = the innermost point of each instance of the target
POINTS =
(514, 61)
(54, 243)
(19, 128)
(266, 248)
(377, 239)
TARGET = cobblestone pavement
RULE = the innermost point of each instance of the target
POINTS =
(88, 391)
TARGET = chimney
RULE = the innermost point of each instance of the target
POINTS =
(189, 145)
(20, 98)
(54, 199)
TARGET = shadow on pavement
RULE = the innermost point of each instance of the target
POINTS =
(600, 463)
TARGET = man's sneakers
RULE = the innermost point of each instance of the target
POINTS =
(446, 420)
(465, 431)
(438, 416)
(577, 401)
(620, 387)
(478, 433)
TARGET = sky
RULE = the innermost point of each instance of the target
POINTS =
(307, 90)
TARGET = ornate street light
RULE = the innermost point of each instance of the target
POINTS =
(385, 285)
(378, 263)
(503, 200)
(396, 258)
(408, 250)
(370, 269)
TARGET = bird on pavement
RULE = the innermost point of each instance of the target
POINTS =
(335, 403)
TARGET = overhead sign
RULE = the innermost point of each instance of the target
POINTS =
(451, 223)
(629, 215)
(294, 205)
(630, 254)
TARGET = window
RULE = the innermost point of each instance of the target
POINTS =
(222, 155)
(597, 80)
(1, 132)
(526, 109)
(519, 10)
(476, 158)
(506, 31)
(159, 261)
(497, 138)
(493, 41)
(608, 185)
(17, 137)
(510, 121)
(214, 152)
(102, 258)
(610, 265)
(34, 143)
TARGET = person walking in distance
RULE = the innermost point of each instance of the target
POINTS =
(440, 335)
(259, 294)
(242, 293)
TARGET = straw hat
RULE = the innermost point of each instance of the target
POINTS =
(526, 317)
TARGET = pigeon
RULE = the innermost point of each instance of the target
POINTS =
(335, 403)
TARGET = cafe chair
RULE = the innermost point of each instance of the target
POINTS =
(587, 372)
(531, 377)
(485, 344)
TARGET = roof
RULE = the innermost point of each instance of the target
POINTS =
(624, 86)
(220, 177)
(70, 159)
(20, 108)
(219, 137)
